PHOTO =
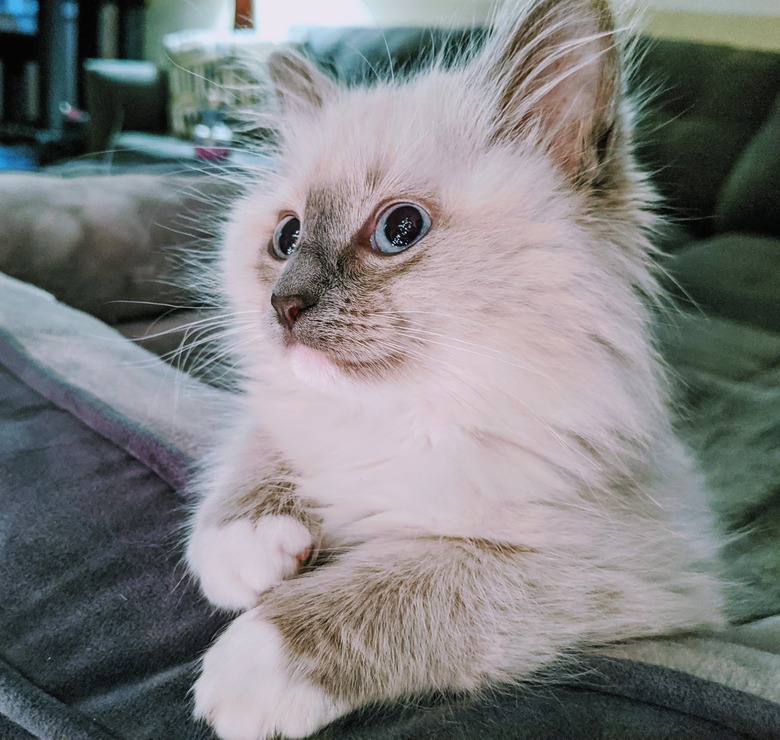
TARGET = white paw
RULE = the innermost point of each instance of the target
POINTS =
(237, 561)
(247, 691)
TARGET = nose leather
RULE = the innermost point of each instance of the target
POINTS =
(289, 307)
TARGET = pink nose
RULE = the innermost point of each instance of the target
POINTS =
(289, 307)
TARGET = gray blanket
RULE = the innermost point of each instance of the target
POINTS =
(100, 630)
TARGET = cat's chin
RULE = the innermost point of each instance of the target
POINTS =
(316, 369)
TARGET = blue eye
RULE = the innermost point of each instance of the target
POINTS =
(286, 237)
(399, 227)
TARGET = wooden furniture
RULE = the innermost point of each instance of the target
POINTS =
(244, 15)
(129, 29)
(68, 33)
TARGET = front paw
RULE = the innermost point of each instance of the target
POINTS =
(248, 689)
(240, 559)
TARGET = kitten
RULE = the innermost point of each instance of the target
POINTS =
(451, 394)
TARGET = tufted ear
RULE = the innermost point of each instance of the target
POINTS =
(556, 75)
(298, 83)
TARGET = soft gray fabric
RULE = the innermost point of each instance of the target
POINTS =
(98, 624)
(100, 633)
(100, 630)
(88, 355)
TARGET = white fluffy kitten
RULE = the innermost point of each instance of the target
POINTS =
(452, 394)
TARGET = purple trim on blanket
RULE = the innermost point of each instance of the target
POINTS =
(169, 463)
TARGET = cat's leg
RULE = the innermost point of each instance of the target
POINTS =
(250, 530)
(390, 619)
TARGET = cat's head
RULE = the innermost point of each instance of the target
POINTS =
(480, 223)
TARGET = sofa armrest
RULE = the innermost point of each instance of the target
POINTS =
(114, 246)
(124, 95)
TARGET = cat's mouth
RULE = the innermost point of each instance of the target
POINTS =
(327, 349)
(325, 361)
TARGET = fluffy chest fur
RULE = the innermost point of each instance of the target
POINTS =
(424, 462)
(373, 468)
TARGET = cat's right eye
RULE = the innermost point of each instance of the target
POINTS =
(285, 237)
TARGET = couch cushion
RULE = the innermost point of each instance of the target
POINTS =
(110, 245)
(365, 54)
(734, 276)
(750, 199)
(706, 104)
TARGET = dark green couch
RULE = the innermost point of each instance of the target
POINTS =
(709, 133)
(711, 137)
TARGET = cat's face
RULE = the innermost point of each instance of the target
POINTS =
(409, 230)
(392, 240)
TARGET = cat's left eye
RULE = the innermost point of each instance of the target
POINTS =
(399, 227)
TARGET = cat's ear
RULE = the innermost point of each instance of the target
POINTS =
(556, 72)
(298, 83)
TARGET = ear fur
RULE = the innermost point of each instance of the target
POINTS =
(298, 83)
(556, 72)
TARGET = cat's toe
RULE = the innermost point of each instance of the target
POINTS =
(240, 559)
(248, 690)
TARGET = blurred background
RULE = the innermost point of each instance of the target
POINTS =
(45, 45)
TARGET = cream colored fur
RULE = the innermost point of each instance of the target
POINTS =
(474, 431)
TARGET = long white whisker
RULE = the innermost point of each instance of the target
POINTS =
(466, 346)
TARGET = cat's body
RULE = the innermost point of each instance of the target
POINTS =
(452, 392)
